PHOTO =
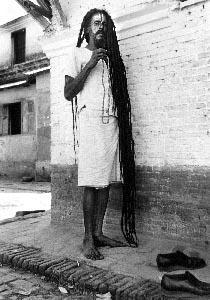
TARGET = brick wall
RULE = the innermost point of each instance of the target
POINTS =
(168, 75)
(166, 50)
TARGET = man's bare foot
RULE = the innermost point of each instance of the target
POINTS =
(90, 251)
(102, 241)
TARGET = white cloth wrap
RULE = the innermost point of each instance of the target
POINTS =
(98, 159)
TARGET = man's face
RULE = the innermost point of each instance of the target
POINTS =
(98, 29)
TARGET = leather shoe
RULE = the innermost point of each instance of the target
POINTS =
(178, 261)
(184, 283)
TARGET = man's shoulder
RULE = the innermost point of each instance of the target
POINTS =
(74, 53)
(79, 49)
(83, 51)
(80, 54)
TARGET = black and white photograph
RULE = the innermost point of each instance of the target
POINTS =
(104, 149)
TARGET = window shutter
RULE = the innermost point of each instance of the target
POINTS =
(31, 117)
(28, 121)
(4, 120)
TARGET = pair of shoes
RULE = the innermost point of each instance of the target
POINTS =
(178, 261)
(186, 283)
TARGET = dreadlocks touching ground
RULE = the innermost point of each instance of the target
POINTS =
(96, 85)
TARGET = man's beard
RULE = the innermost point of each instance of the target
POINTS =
(100, 42)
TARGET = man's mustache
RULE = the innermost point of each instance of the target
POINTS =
(100, 32)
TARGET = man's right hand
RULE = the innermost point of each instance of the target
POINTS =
(96, 56)
(74, 85)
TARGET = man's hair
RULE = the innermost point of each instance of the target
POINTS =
(122, 105)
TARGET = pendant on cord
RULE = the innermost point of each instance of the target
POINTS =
(105, 119)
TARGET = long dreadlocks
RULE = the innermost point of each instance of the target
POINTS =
(123, 107)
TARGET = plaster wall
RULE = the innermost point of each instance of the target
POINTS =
(43, 126)
(18, 153)
(18, 148)
(5, 52)
(15, 94)
(29, 153)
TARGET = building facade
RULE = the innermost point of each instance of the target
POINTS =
(165, 46)
(24, 101)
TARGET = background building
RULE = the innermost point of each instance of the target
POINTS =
(24, 101)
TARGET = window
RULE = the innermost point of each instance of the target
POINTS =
(10, 119)
(18, 44)
(17, 118)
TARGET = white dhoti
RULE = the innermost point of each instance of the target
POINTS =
(98, 159)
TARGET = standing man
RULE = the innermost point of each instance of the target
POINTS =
(96, 79)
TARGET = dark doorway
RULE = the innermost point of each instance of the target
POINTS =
(14, 118)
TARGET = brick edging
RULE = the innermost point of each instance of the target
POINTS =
(79, 274)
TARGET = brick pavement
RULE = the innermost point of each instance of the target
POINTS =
(72, 274)
(17, 285)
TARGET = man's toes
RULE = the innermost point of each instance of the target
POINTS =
(94, 254)
(99, 255)
(90, 255)
(103, 241)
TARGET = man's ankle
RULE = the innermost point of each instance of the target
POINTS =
(88, 239)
